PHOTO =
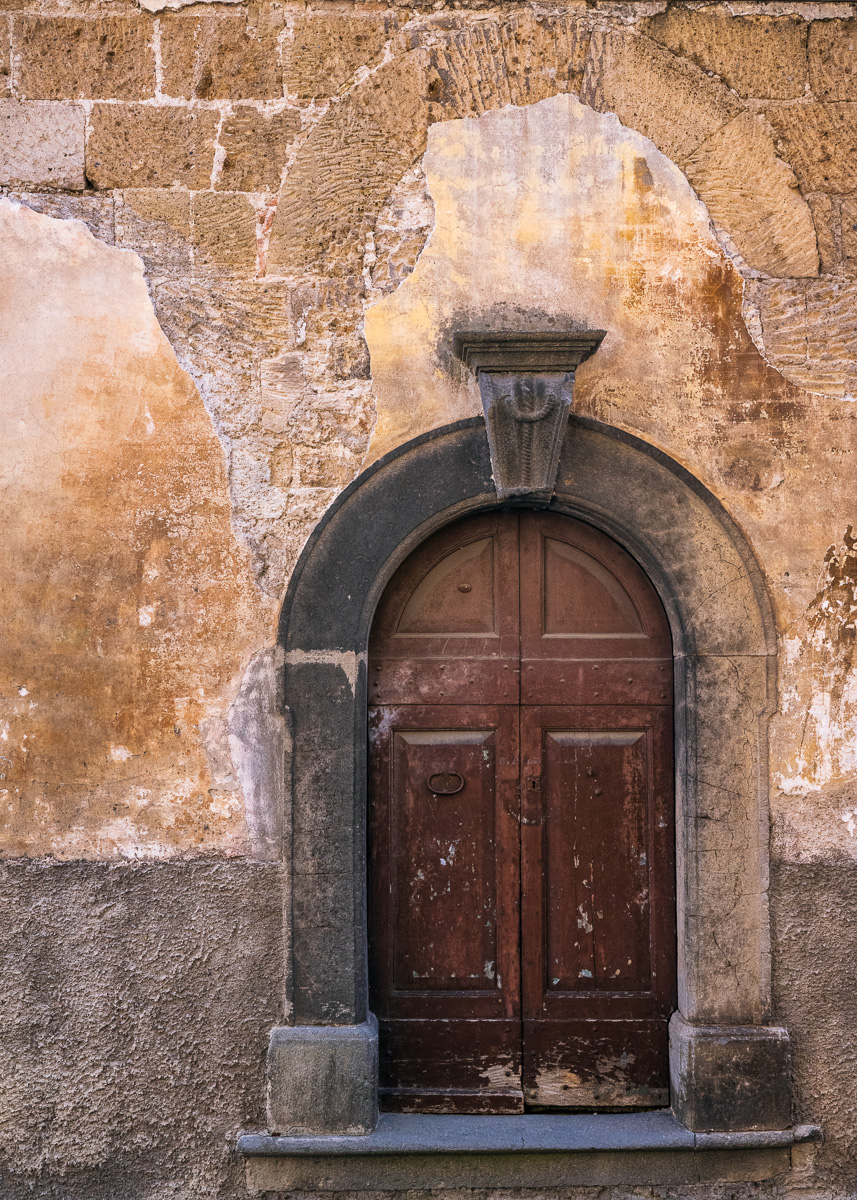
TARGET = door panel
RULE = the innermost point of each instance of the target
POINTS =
(442, 861)
(445, 906)
(593, 629)
(596, 875)
(446, 631)
(522, 906)
(598, 904)
(591, 1063)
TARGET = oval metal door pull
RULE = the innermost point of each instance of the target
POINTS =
(445, 775)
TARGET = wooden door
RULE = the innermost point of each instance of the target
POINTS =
(522, 911)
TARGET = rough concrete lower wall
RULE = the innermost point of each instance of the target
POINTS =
(815, 993)
(136, 1003)
(137, 999)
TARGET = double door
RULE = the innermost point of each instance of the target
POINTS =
(522, 909)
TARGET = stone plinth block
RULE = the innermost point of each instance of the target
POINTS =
(730, 1077)
(323, 1079)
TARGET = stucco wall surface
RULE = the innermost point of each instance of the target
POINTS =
(236, 241)
(129, 610)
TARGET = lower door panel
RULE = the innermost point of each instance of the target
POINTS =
(596, 1064)
(450, 1066)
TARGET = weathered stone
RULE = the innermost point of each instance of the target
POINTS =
(213, 57)
(347, 167)
(5, 57)
(825, 217)
(763, 57)
(70, 58)
(400, 233)
(155, 6)
(256, 146)
(833, 59)
(521, 60)
(848, 226)
(96, 212)
(323, 1080)
(670, 101)
(327, 48)
(156, 223)
(754, 198)
(42, 143)
(224, 232)
(820, 142)
(266, 18)
(730, 1077)
(810, 332)
(137, 146)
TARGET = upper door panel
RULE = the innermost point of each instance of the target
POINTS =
(593, 630)
(447, 628)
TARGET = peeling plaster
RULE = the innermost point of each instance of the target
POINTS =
(129, 609)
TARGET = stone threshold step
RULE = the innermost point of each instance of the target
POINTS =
(533, 1150)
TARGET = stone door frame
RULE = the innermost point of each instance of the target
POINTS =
(729, 1066)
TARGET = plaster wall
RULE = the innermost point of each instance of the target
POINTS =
(285, 214)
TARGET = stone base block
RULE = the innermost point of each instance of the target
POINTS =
(323, 1079)
(730, 1077)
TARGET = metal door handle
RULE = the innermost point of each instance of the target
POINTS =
(447, 775)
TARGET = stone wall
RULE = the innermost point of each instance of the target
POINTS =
(286, 210)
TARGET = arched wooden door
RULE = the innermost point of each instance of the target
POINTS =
(522, 890)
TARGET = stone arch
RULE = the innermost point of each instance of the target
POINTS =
(725, 651)
(353, 158)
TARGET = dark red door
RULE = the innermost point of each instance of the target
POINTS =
(522, 910)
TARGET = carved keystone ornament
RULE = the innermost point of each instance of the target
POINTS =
(526, 381)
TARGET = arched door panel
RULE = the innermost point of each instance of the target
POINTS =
(522, 924)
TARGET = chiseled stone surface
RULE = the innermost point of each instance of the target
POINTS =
(255, 147)
(760, 56)
(224, 233)
(213, 56)
(325, 49)
(137, 146)
(156, 223)
(833, 59)
(669, 100)
(100, 57)
(753, 195)
(820, 142)
(130, 612)
(41, 144)
(346, 168)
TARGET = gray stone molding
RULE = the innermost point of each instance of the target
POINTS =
(535, 1150)
(526, 382)
(725, 656)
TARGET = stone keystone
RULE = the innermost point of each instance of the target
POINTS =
(526, 382)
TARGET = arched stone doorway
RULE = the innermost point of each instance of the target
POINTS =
(729, 1069)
